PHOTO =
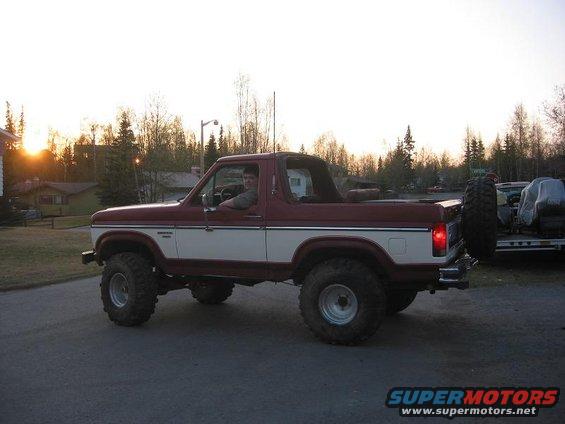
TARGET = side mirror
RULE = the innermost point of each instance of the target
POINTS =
(208, 204)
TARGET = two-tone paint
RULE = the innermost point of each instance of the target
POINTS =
(272, 239)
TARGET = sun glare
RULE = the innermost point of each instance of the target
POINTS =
(34, 140)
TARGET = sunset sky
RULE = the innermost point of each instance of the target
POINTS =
(364, 70)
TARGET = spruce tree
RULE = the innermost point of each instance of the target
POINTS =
(222, 145)
(10, 125)
(497, 156)
(467, 153)
(10, 160)
(118, 187)
(509, 147)
(210, 152)
(408, 149)
(480, 152)
(21, 125)
(474, 152)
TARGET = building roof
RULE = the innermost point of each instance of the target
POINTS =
(66, 188)
(5, 136)
(8, 135)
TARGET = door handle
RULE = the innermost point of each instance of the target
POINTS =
(253, 216)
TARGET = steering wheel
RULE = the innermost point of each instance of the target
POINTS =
(226, 194)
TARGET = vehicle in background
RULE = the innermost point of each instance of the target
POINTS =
(512, 190)
(531, 216)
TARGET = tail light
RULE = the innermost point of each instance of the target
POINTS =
(439, 239)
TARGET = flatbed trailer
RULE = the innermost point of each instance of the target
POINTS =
(518, 242)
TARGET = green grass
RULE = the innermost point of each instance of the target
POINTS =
(519, 268)
(72, 221)
(35, 256)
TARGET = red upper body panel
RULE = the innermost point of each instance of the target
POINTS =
(277, 210)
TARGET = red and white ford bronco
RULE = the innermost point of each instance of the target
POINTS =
(355, 261)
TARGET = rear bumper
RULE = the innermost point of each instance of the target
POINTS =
(88, 257)
(454, 275)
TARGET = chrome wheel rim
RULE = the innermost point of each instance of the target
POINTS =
(338, 304)
(119, 289)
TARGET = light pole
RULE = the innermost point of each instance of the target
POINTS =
(202, 125)
(136, 163)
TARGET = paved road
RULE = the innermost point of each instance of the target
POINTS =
(251, 360)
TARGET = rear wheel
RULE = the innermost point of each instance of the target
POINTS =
(128, 289)
(479, 218)
(398, 300)
(212, 293)
(342, 301)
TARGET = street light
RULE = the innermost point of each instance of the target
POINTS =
(202, 125)
(136, 163)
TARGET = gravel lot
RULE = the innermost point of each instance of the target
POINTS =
(252, 360)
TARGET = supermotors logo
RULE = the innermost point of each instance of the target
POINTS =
(453, 402)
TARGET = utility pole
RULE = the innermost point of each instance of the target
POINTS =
(202, 125)
(201, 148)
(274, 122)
(93, 128)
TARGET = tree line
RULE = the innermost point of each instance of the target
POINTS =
(526, 150)
(130, 157)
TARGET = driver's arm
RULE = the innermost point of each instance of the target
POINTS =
(242, 201)
(228, 203)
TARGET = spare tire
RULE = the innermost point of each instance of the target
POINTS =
(479, 217)
(398, 300)
(212, 293)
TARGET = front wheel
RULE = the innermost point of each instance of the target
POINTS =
(128, 289)
(342, 301)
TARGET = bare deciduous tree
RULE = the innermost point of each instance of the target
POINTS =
(154, 138)
(243, 110)
(519, 128)
(537, 147)
(555, 115)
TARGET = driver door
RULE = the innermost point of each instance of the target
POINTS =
(224, 241)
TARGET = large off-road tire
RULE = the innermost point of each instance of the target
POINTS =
(398, 300)
(128, 289)
(342, 301)
(479, 218)
(212, 293)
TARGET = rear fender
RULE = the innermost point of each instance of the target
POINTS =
(318, 249)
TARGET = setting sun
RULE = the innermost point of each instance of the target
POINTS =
(35, 140)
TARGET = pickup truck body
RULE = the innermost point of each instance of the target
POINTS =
(355, 262)
(282, 237)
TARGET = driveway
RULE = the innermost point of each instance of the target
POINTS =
(252, 360)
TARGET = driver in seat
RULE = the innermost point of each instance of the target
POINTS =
(249, 196)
